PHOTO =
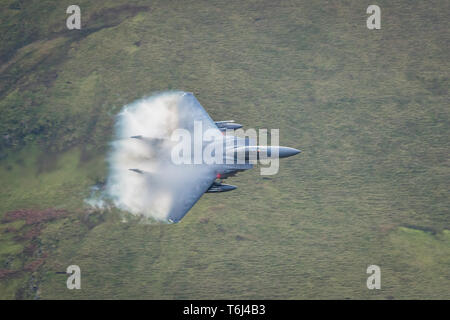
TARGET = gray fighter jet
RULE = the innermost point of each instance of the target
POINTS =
(193, 180)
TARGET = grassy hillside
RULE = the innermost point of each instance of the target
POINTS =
(369, 110)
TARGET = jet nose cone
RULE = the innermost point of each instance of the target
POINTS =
(288, 152)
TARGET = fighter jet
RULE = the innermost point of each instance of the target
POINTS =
(195, 179)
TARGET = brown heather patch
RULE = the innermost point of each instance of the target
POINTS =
(34, 220)
(10, 229)
(30, 234)
(33, 216)
(35, 264)
(5, 273)
(30, 249)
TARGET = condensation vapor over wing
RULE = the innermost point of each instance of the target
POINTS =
(142, 179)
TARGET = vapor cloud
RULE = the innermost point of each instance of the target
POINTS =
(148, 193)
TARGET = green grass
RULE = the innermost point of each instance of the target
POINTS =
(9, 248)
(369, 109)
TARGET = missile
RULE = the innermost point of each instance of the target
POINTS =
(220, 187)
(228, 124)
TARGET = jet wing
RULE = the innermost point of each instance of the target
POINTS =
(193, 180)
(191, 110)
(188, 192)
(145, 178)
